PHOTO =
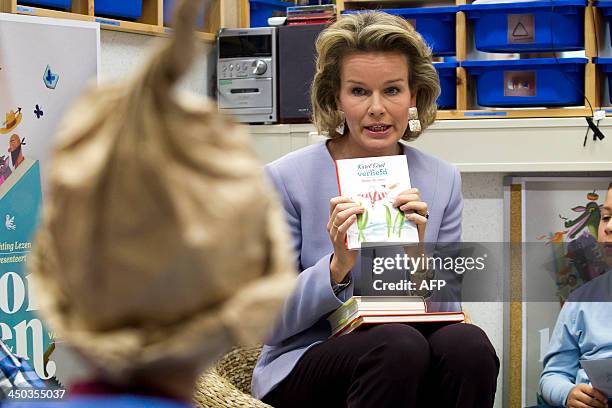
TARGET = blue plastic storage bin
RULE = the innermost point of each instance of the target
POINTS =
(606, 66)
(447, 72)
(169, 10)
(529, 82)
(606, 10)
(62, 4)
(538, 26)
(130, 9)
(435, 24)
(261, 10)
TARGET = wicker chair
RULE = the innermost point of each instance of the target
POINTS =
(228, 383)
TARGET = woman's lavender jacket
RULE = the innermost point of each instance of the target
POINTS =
(306, 181)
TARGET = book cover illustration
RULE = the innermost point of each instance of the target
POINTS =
(20, 328)
(374, 183)
(576, 259)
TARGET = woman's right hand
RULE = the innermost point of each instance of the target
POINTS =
(342, 214)
(585, 396)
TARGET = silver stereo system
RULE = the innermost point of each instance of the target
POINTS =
(246, 74)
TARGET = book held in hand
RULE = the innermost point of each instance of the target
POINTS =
(374, 183)
(364, 310)
(600, 374)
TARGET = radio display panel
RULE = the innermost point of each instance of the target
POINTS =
(245, 46)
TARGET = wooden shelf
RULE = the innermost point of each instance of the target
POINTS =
(219, 13)
(501, 113)
(208, 37)
(129, 26)
(42, 12)
(594, 81)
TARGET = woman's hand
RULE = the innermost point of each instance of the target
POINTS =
(342, 214)
(585, 396)
(409, 201)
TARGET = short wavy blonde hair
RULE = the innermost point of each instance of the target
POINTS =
(371, 32)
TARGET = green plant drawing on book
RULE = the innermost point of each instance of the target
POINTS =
(389, 221)
(398, 224)
(362, 222)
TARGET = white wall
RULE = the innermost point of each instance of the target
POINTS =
(483, 221)
(122, 53)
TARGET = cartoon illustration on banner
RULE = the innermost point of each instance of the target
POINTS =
(30, 80)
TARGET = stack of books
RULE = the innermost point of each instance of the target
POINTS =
(364, 310)
(300, 15)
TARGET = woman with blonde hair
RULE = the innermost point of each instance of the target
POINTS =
(372, 71)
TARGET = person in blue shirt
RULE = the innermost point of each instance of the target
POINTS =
(583, 331)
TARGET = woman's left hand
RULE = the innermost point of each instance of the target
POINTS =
(409, 201)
